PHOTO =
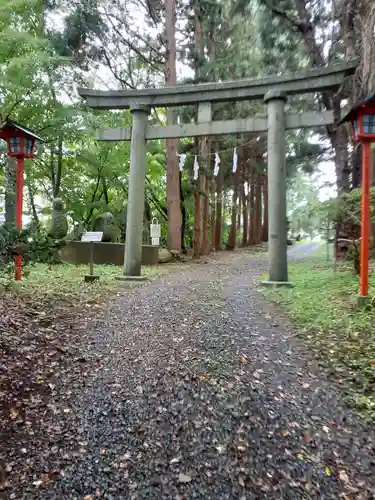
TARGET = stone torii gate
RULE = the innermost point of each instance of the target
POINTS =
(273, 90)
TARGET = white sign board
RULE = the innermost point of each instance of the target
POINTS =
(92, 236)
(155, 229)
(155, 241)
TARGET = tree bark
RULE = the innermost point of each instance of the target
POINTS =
(197, 221)
(232, 236)
(251, 207)
(173, 177)
(58, 172)
(32, 202)
(213, 215)
(183, 214)
(239, 207)
(245, 218)
(204, 194)
(265, 210)
(219, 208)
(257, 209)
(200, 240)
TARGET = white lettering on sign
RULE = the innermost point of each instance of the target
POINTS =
(92, 236)
(155, 241)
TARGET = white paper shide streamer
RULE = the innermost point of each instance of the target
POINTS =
(235, 160)
(217, 164)
(182, 158)
(196, 168)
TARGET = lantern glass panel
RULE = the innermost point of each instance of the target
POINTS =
(356, 129)
(28, 147)
(369, 124)
(15, 144)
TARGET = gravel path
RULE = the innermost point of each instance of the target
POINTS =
(193, 388)
(301, 250)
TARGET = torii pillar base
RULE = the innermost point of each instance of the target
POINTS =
(141, 278)
(277, 284)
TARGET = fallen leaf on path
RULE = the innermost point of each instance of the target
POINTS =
(184, 478)
(328, 471)
(343, 476)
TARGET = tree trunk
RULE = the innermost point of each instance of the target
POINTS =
(212, 215)
(232, 236)
(231, 244)
(257, 209)
(245, 218)
(265, 209)
(239, 207)
(204, 207)
(219, 208)
(10, 192)
(251, 207)
(201, 204)
(173, 177)
(58, 172)
(32, 202)
(197, 218)
(183, 214)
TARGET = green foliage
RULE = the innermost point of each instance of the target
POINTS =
(348, 206)
(33, 243)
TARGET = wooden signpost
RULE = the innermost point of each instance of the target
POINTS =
(91, 237)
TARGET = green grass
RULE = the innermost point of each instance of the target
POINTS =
(323, 304)
(68, 279)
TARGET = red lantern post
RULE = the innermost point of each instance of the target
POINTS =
(365, 224)
(21, 145)
(19, 202)
(362, 117)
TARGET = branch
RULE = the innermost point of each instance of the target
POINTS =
(131, 45)
(297, 23)
(115, 73)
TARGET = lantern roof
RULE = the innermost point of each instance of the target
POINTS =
(8, 124)
(359, 109)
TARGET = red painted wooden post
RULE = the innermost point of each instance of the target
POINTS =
(19, 197)
(365, 226)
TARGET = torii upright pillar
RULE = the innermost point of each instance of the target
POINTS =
(136, 194)
(277, 218)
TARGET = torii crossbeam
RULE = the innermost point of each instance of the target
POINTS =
(274, 91)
